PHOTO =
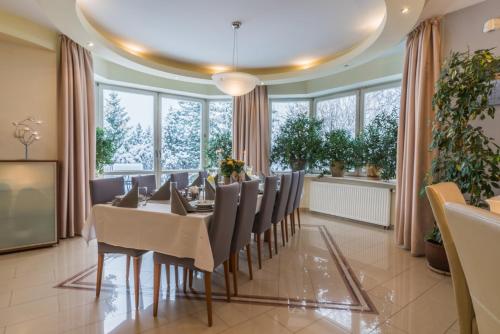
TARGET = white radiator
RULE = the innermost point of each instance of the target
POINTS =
(366, 204)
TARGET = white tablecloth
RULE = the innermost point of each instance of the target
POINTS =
(154, 228)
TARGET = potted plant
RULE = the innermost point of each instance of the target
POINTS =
(298, 143)
(379, 140)
(231, 168)
(219, 146)
(338, 151)
(104, 150)
(464, 154)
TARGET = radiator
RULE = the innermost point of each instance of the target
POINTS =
(362, 203)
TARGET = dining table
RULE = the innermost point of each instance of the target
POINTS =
(153, 227)
(494, 203)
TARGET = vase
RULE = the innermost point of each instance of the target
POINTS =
(372, 171)
(337, 168)
(227, 179)
(298, 165)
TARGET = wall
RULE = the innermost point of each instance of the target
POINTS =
(28, 87)
(464, 29)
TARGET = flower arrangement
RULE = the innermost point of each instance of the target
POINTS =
(230, 166)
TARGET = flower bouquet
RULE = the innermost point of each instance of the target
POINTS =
(231, 168)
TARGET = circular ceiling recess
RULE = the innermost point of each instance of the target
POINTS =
(275, 34)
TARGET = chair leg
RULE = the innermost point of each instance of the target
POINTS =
(226, 280)
(191, 274)
(208, 296)
(137, 272)
(184, 279)
(100, 264)
(283, 232)
(292, 217)
(270, 247)
(249, 260)
(298, 216)
(286, 228)
(275, 228)
(156, 287)
(167, 267)
(176, 267)
(127, 273)
(235, 273)
(259, 255)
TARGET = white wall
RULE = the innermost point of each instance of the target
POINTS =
(28, 87)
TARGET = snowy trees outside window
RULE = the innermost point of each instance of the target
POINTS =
(338, 113)
(381, 101)
(220, 117)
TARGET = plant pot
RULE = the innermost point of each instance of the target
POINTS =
(337, 168)
(372, 171)
(227, 179)
(298, 165)
(436, 257)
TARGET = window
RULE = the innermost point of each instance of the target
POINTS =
(338, 113)
(378, 101)
(220, 117)
(282, 110)
(128, 118)
(180, 134)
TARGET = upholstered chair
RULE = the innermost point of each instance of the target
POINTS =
(262, 222)
(104, 191)
(292, 194)
(298, 197)
(220, 235)
(182, 179)
(476, 233)
(242, 234)
(147, 181)
(438, 195)
(279, 211)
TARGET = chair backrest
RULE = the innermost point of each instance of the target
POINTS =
(300, 187)
(282, 198)
(222, 223)
(477, 233)
(292, 193)
(246, 214)
(262, 220)
(105, 190)
(203, 174)
(148, 181)
(438, 195)
(182, 179)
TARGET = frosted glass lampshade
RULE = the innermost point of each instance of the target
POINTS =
(235, 83)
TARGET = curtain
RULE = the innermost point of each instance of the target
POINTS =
(76, 135)
(420, 73)
(251, 129)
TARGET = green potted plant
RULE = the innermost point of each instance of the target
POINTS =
(338, 151)
(464, 154)
(379, 141)
(298, 143)
(105, 150)
(219, 146)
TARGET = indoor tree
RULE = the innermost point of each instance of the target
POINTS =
(338, 151)
(105, 150)
(220, 146)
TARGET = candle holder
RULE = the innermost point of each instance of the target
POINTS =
(26, 132)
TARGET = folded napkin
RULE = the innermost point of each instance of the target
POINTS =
(209, 191)
(179, 205)
(130, 200)
(162, 194)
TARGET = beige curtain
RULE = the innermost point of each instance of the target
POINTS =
(251, 129)
(76, 135)
(420, 73)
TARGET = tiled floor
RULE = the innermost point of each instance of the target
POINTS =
(401, 295)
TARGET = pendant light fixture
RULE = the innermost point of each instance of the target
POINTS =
(235, 83)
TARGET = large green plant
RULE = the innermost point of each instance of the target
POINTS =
(379, 142)
(105, 150)
(298, 143)
(220, 146)
(338, 147)
(465, 155)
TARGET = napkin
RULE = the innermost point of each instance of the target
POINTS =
(209, 191)
(197, 182)
(179, 205)
(162, 194)
(130, 200)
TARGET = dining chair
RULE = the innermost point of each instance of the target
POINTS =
(298, 197)
(292, 193)
(262, 222)
(147, 181)
(242, 233)
(104, 191)
(280, 208)
(476, 233)
(438, 195)
(220, 234)
(182, 179)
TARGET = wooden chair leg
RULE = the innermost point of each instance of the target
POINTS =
(226, 280)
(208, 296)
(259, 255)
(127, 273)
(283, 232)
(156, 287)
(270, 247)
(275, 228)
(249, 260)
(191, 274)
(286, 228)
(184, 279)
(167, 267)
(298, 216)
(292, 221)
(137, 272)
(100, 264)
(176, 268)
(235, 273)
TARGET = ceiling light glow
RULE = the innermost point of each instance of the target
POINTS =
(405, 10)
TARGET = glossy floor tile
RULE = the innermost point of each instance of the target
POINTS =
(333, 276)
